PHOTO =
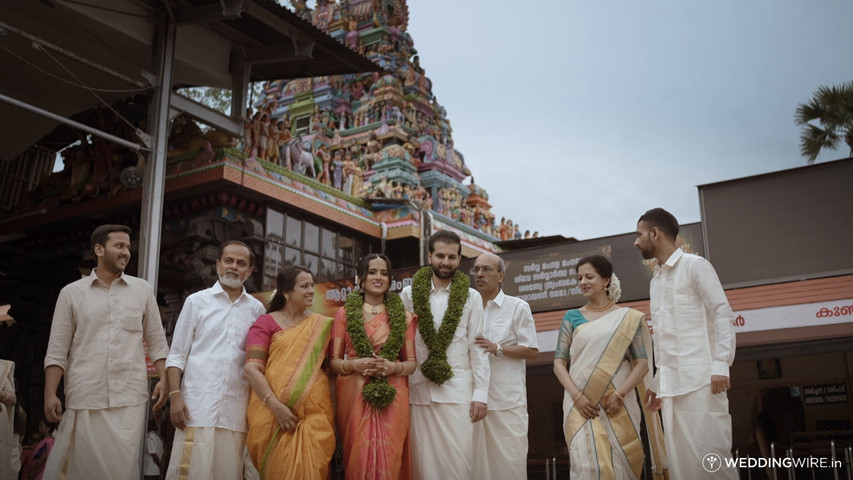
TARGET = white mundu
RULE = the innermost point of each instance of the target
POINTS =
(441, 429)
(690, 313)
(209, 346)
(500, 439)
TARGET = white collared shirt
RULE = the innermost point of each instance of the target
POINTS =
(508, 322)
(693, 325)
(96, 338)
(209, 346)
(470, 363)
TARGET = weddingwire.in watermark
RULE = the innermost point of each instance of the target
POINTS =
(712, 462)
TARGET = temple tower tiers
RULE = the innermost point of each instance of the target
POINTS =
(377, 134)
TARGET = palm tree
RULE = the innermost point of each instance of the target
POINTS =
(832, 109)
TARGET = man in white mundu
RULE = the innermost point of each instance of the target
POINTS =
(209, 394)
(96, 342)
(509, 336)
(694, 343)
(449, 391)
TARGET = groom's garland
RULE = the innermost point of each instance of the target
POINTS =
(435, 367)
(377, 392)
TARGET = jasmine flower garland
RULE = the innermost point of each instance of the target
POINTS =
(435, 368)
(377, 392)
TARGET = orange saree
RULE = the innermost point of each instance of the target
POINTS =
(375, 442)
(293, 358)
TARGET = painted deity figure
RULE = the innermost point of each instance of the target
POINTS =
(338, 170)
(273, 142)
(326, 157)
(353, 176)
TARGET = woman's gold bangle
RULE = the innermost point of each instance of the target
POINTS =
(616, 392)
(176, 391)
(344, 370)
(580, 394)
(267, 397)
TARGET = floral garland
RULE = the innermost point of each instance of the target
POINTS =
(377, 392)
(435, 367)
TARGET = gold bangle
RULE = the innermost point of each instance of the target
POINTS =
(268, 396)
(580, 394)
(344, 370)
(616, 392)
(176, 391)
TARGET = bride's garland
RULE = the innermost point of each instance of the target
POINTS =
(435, 367)
(377, 392)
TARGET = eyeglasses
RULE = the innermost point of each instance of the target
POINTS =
(476, 270)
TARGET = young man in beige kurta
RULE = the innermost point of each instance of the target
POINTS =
(96, 343)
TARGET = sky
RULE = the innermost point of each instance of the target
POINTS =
(578, 116)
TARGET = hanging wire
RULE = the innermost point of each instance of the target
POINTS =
(104, 102)
(74, 84)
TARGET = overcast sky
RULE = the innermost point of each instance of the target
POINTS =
(577, 116)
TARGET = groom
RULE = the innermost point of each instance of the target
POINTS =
(449, 391)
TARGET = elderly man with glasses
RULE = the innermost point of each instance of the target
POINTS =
(509, 335)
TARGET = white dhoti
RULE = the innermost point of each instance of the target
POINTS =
(698, 435)
(500, 445)
(442, 441)
(206, 453)
(104, 443)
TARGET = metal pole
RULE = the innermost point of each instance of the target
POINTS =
(153, 187)
(154, 182)
(71, 123)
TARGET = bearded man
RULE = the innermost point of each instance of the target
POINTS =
(208, 392)
(449, 391)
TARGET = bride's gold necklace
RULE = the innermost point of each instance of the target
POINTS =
(373, 309)
(598, 309)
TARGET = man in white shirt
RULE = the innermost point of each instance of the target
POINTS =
(449, 391)
(96, 337)
(208, 392)
(509, 336)
(694, 344)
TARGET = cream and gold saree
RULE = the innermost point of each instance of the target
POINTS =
(600, 356)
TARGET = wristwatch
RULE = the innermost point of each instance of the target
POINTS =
(499, 351)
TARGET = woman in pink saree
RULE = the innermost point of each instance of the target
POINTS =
(373, 352)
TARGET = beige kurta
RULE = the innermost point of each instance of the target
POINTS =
(96, 338)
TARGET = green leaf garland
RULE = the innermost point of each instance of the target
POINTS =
(435, 368)
(377, 392)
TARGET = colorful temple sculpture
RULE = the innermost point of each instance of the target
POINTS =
(373, 135)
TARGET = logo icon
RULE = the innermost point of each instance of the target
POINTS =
(711, 462)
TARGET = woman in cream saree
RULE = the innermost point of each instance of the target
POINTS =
(603, 353)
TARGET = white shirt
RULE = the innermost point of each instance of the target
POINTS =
(693, 325)
(470, 363)
(209, 345)
(508, 321)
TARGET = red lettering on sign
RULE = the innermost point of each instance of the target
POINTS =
(835, 312)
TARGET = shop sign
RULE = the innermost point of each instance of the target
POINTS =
(826, 393)
(793, 316)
